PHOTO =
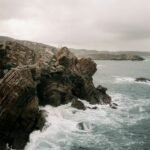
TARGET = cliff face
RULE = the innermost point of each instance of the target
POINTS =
(31, 78)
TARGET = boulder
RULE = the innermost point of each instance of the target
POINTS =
(78, 104)
(86, 66)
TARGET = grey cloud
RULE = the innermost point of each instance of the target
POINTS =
(95, 24)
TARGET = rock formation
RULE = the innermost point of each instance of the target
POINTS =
(30, 78)
(69, 77)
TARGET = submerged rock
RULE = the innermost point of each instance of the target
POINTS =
(113, 105)
(84, 126)
(142, 79)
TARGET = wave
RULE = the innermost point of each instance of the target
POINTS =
(128, 80)
(67, 127)
(124, 79)
(147, 59)
(100, 66)
(65, 123)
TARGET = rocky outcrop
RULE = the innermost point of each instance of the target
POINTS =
(70, 77)
(141, 79)
(30, 79)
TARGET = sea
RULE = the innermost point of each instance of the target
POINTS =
(124, 128)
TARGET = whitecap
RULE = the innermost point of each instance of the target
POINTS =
(128, 80)
(62, 126)
(123, 79)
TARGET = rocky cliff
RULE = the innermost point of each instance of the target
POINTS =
(30, 78)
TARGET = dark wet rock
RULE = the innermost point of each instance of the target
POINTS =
(3, 145)
(84, 126)
(103, 96)
(78, 104)
(54, 90)
(113, 105)
(142, 79)
(81, 126)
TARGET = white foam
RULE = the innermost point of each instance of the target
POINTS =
(126, 105)
(128, 80)
(123, 79)
(99, 66)
(147, 60)
(62, 123)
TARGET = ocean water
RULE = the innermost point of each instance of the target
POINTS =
(126, 128)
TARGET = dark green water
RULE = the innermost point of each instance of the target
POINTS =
(127, 128)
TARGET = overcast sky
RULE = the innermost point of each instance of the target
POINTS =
(91, 24)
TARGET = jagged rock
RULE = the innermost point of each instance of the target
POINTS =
(142, 79)
(103, 96)
(69, 77)
(78, 104)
